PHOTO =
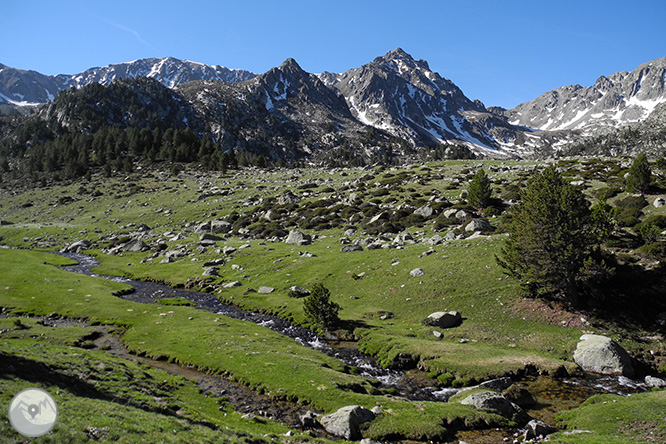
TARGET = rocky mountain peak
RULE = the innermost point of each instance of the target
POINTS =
(615, 100)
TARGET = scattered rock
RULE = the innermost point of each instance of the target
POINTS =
(655, 382)
(497, 384)
(478, 225)
(350, 232)
(437, 334)
(210, 237)
(351, 247)
(599, 354)
(346, 421)
(288, 198)
(403, 238)
(417, 272)
(296, 237)
(265, 290)
(228, 250)
(135, 245)
(211, 271)
(425, 211)
(309, 420)
(77, 246)
(443, 319)
(495, 403)
(298, 292)
(536, 429)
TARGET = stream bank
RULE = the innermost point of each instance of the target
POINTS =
(548, 395)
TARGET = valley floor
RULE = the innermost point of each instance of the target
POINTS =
(224, 235)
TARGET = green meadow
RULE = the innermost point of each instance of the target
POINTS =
(382, 306)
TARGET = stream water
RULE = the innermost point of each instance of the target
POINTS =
(548, 394)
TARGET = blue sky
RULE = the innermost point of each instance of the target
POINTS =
(501, 52)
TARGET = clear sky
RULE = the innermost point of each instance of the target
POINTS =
(501, 52)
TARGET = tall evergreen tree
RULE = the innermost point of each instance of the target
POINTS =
(552, 235)
(479, 190)
(319, 309)
(640, 175)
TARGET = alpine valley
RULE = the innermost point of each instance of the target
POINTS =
(390, 110)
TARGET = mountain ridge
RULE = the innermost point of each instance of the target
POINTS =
(395, 94)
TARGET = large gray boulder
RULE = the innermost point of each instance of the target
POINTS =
(536, 429)
(135, 245)
(346, 421)
(494, 402)
(296, 237)
(599, 354)
(425, 211)
(288, 198)
(77, 246)
(478, 225)
(443, 319)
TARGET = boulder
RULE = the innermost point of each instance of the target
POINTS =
(288, 198)
(298, 292)
(351, 247)
(425, 211)
(417, 272)
(451, 212)
(228, 250)
(659, 202)
(232, 284)
(463, 215)
(600, 354)
(536, 428)
(265, 290)
(296, 237)
(220, 226)
(346, 421)
(77, 246)
(495, 403)
(478, 225)
(403, 238)
(443, 319)
(652, 381)
(210, 237)
(135, 245)
(211, 271)
(309, 420)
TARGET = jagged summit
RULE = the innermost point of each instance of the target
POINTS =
(619, 99)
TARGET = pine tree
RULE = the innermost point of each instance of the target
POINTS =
(319, 309)
(552, 235)
(640, 175)
(479, 190)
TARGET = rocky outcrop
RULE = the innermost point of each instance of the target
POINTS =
(600, 354)
(346, 421)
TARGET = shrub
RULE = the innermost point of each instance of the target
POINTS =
(627, 217)
(632, 202)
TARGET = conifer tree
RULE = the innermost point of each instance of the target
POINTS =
(319, 309)
(479, 190)
(640, 175)
(552, 235)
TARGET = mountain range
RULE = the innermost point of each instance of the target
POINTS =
(393, 103)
